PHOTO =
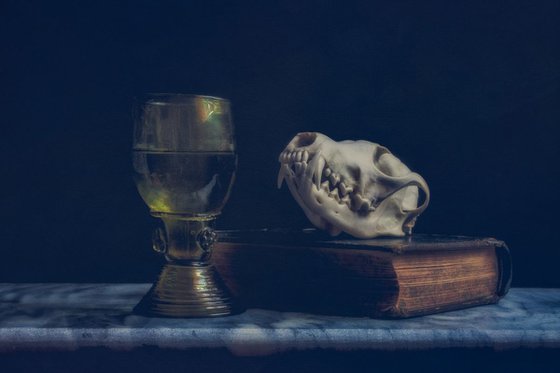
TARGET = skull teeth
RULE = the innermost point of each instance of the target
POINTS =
(334, 179)
(344, 190)
(300, 167)
(294, 165)
(360, 204)
(334, 194)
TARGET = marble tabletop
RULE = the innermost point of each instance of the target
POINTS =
(66, 317)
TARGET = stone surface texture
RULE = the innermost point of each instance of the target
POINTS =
(65, 317)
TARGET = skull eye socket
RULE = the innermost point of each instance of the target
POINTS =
(305, 139)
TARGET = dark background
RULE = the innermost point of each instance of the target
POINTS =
(468, 95)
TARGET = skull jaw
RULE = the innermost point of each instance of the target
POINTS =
(325, 213)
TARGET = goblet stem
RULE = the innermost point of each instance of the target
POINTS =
(187, 240)
(188, 285)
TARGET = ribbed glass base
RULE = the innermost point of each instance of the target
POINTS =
(187, 291)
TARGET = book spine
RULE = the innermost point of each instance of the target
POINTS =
(505, 271)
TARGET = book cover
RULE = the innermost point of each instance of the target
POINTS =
(307, 271)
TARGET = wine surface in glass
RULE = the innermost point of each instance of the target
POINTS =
(189, 183)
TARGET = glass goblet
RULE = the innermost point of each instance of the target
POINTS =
(184, 165)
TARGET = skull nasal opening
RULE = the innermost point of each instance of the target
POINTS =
(305, 139)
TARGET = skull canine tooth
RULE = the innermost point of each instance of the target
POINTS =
(281, 175)
(318, 170)
(305, 156)
(298, 156)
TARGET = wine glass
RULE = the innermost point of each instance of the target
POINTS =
(184, 165)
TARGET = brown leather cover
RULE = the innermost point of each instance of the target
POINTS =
(309, 271)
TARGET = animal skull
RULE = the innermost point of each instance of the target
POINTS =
(358, 187)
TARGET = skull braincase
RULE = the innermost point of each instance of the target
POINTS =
(358, 187)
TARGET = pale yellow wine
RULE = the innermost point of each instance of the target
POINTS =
(190, 183)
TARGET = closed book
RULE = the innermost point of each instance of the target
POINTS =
(306, 271)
